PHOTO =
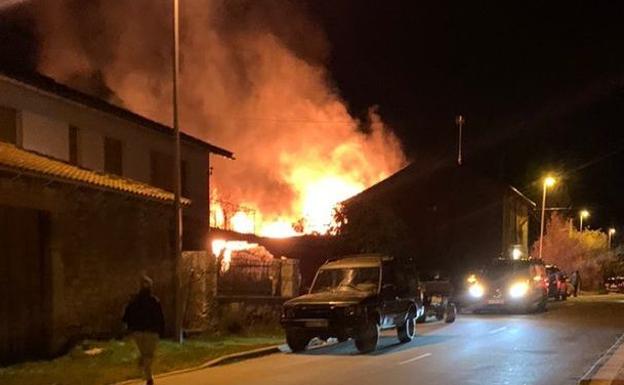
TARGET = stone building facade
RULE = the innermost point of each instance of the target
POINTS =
(85, 209)
(39, 115)
(72, 256)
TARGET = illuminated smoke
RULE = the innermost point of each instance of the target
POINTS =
(6, 4)
(252, 81)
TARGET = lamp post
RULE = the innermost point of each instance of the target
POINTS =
(549, 181)
(582, 215)
(177, 182)
(611, 232)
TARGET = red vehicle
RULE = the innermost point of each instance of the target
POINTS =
(558, 287)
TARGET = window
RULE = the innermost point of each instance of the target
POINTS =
(8, 125)
(113, 156)
(161, 172)
(73, 145)
(161, 167)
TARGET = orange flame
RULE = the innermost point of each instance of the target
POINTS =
(318, 191)
(224, 249)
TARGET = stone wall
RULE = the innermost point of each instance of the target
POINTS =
(206, 309)
(239, 312)
(98, 245)
(105, 242)
(199, 290)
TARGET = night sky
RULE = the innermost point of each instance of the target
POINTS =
(541, 85)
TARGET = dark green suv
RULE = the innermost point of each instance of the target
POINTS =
(355, 297)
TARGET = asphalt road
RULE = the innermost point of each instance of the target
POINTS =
(555, 347)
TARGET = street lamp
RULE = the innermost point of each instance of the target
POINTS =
(611, 232)
(177, 175)
(582, 215)
(549, 181)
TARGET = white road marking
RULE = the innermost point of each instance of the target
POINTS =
(415, 359)
(497, 330)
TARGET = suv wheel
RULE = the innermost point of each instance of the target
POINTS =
(296, 340)
(451, 313)
(541, 307)
(366, 340)
(407, 330)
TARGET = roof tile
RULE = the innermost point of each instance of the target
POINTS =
(17, 158)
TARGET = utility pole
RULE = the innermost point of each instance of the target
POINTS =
(548, 182)
(177, 177)
(459, 121)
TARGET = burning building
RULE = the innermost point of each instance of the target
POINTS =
(245, 82)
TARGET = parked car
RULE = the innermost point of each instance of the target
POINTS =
(437, 297)
(354, 297)
(517, 285)
(558, 287)
(615, 284)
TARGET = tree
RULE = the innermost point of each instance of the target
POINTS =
(572, 250)
(369, 229)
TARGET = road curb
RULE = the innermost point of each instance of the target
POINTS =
(223, 360)
(609, 369)
(244, 356)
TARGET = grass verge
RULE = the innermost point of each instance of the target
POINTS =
(117, 361)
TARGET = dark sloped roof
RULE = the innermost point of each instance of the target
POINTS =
(17, 159)
(417, 174)
(49, 85)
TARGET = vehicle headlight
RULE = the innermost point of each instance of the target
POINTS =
(476, 290)
(518, 289)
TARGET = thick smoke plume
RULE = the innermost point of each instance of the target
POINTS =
(252, 81)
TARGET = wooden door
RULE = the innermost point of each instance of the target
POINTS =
(23, 296)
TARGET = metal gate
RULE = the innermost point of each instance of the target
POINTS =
(249, 278)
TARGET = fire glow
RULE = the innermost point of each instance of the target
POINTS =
(224, 249)
(314, 209)
(247, 85)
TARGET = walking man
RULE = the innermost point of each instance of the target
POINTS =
(144, 318)
(575, 280)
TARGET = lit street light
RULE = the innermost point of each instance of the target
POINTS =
(582, 215)
(549, 181)
(611, 232)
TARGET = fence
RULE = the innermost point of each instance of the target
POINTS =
(255, 288)
(250, 278)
